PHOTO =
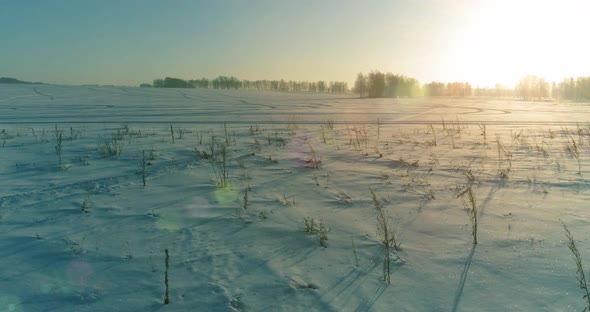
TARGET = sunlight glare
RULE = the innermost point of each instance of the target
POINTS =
(504, 41)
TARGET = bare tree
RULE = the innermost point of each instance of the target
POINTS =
(360, 85)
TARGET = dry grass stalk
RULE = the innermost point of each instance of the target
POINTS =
(580, 276)
(386, 234)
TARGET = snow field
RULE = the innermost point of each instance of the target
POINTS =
(87, 236)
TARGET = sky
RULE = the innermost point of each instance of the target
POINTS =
(133, 41)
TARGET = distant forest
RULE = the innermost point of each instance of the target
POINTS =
(223, 82)
(377, 84)
(14, 80)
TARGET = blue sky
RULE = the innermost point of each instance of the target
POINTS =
(129, 42)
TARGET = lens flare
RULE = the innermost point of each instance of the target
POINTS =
(79, 273)
(10, 304)
(225, 195)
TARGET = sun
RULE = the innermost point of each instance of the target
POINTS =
(502, 41)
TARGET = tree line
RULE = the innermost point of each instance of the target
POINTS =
(377, 84)
(224, 82)
(10, 80)
(572, 89)
(534, 88)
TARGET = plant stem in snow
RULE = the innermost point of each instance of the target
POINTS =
(58, 136)
(166, 299)
(143, 167)
(578, 259)
(246, 199)
(387, 236)
(172, 133)
(471, 208)
(356, 258)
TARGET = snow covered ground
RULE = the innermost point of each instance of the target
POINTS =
(83, 233)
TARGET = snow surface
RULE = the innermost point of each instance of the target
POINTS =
(85, 235)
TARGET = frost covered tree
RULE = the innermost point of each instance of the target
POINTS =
(360, 85)
(532, 87)
(376, 84)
